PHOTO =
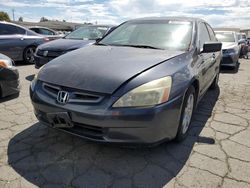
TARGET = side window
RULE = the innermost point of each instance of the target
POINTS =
(6, 29)
(45, 32)
(20, 31)
(211, 33)
(203, 35)
(35, 30)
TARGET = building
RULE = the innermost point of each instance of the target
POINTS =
(227, 29)
(246, 31)
(55, 25)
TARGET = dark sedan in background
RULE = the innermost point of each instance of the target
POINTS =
(139, 84)
(9, 77)
(19, 43)
(77, 39)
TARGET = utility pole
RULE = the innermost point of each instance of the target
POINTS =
(13, 14)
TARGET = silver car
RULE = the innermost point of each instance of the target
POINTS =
(230, 48)
(19, 43)
(49, 33)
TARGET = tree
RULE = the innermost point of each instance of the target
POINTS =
(64, 20)
(43, 19)
(4, 16)
(20, 19)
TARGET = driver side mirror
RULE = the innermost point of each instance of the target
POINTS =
(212, 47)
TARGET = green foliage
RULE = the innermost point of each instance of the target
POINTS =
(20, 19)
(43, 19)
(4, 16)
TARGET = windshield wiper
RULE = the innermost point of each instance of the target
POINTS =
(139, 46)
(101, 44)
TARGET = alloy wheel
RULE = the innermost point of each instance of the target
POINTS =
(188, 111)
(29, 55)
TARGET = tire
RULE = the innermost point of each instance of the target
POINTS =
(214, 84)
(187, 110)
(28, 55)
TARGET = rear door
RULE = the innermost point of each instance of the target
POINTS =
(206, 58)
(11, 41)
(215, 61)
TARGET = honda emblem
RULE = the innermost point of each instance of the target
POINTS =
(62, 97)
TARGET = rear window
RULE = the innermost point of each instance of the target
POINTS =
(6, 29)
(225, 37)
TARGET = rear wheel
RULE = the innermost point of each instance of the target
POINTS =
(186, 114)
(28, 55)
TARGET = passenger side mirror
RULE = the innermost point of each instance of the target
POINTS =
(211, 47)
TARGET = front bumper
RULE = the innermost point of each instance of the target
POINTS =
(230, 59)
(122, 125)
(9, 82)
(40, 60)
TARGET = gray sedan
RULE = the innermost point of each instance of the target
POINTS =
(18, 42)
(139, 84)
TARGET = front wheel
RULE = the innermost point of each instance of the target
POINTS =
(186, 114)
(28, 55)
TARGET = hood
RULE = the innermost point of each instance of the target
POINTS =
(101, 68)
(64, 44)
(228, 45)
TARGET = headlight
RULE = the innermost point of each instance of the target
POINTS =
(149, 94)
(5, 63)
(230, 51)
(34, 81)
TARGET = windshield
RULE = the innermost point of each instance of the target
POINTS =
(87, 33)
(172, 35)
(225, 37)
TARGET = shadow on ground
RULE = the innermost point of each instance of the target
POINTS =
(44, 157)
(8, 98)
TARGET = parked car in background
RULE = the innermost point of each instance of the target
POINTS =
(19, 43)
(139, 84)
(9, 77)
(230, 48)
(242, 41)
(49, 33)
(79, 38)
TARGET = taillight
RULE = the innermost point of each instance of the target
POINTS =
(46, 39)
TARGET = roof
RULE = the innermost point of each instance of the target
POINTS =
(190, 19)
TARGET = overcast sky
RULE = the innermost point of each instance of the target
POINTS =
(219, 13)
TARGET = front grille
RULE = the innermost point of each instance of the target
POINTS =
(49, 53)
(87, 131)
(227, 60)
(54, 53)
(75, 95)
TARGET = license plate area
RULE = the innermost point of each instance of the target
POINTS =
(60, 120)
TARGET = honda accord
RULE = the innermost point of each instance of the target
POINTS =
(139, 84)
